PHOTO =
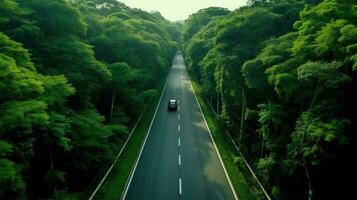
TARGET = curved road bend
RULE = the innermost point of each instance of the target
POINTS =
(179, 160)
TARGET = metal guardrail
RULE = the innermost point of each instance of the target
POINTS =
(240, 153)
(250, 169)
(245, 161)
(115, 160)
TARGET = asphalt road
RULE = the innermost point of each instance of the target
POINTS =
(179, 159)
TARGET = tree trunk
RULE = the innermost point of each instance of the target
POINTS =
(317, 90)
(262, 145)
(217, 104)
(309, 180)
(242, 118)
(112, 106)
(210, 100)
(51, 159)
(221, 91)
(262, 148)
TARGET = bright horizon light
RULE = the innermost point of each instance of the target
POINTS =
(174, 10)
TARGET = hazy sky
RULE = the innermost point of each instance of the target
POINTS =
(180, 9)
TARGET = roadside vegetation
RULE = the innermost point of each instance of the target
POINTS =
(281, 75)
(113, 187)
(278, 75)
(74, 78)
(242, 181)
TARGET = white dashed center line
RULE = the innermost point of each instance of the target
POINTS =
(179, 160)
(179, 127)
(179, 142)
(178, 116)
(180, 186)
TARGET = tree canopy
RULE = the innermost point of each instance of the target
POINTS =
(281, 77)
(73, 79)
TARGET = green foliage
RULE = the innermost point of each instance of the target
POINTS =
(14, 21)
(253, 72)
(264, 167)
(22, 114)
(88, 135)
(327, 73)
(287, 95)
(71, 86)
(56, 18)
(198, 20)
(239, 161)
(10, 180)
(25, 98)
(15, 51)
(311, 130)
(323, 29)
(84, 74)
(5, 148)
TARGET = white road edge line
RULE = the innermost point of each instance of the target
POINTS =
(116, 159)
(143, 145)
(179, 160)
(179, 142)
(180, 186)
(214, 144)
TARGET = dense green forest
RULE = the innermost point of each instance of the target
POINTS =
(74, 77)
(281, 77)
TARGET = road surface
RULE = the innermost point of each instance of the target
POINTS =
(179, 159)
